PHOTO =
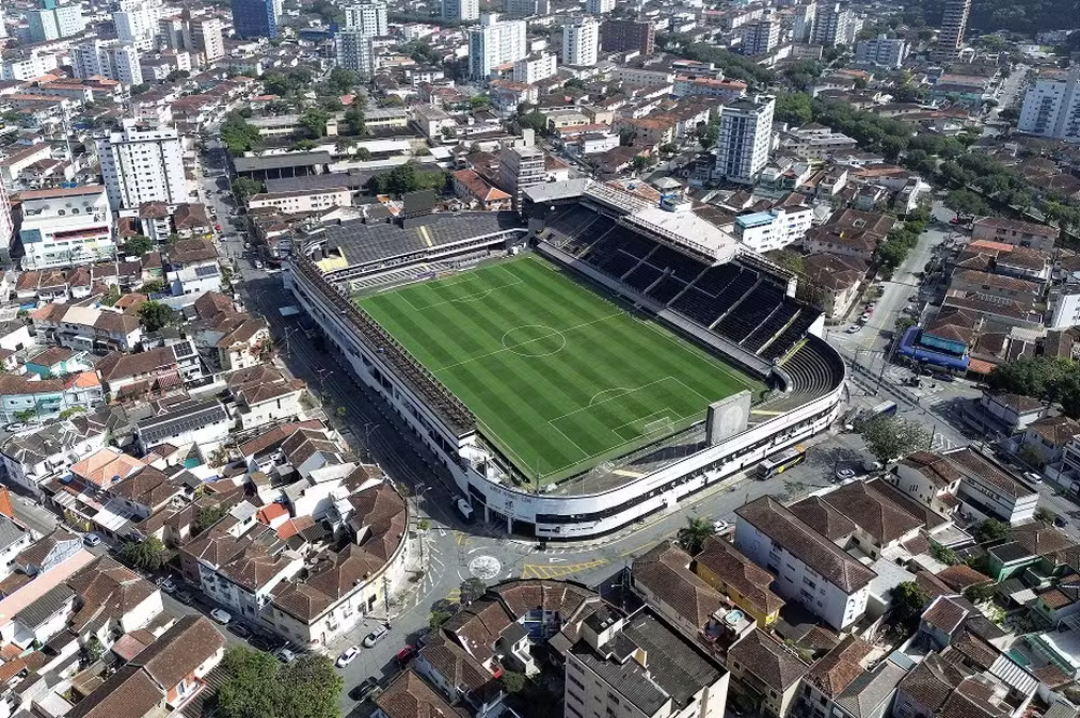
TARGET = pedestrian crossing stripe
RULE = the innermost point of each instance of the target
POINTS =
(560, 570)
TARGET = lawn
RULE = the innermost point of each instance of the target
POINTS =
(559, 376)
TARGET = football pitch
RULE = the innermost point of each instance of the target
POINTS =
(559, 377)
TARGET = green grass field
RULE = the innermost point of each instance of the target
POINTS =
(560, 377)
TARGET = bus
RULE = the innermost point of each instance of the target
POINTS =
(885, 408)
(780, 462)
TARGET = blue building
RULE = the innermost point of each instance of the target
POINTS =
(254, 18)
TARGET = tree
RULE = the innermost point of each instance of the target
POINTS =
(627, 136)
(363, 154)
(1045, 515)
(139, 89)
(708, 135)
(355, 122)
(238, 136)
(990, 530)
(244, 187)
(533, 121)
(309, 688)
(25, 416)
(112, 296)
(512, 681)
(138, 245)
(314, 122)
(342, 81)
(692, 536)
(155, 315)
(906, 606)
(250, 689)
(149, 555)
(207, 517)
(793, 108)
(152, 287)
(890, 438)
(177, 75)
(980, 592)
(965, 203)
(437, 619)
(472, 589)
(479, 101)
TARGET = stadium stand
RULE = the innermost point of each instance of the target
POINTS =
(780, 346)
(813, 369)
(666, 289)
(642, 277)
(685, 268)
(742, 319)
(776, 321)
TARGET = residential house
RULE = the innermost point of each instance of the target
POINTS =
(1012, 231)
(823, 684)
(850, 234)
(663, 577)
(832, 282)
(27, 395)
(91, 329)
(928, 478)
(727, 570)
(203, 422)
(33, 458)
(479, 193)
(988, 490)
(766, 673)
(1044, 440)
(264, 396)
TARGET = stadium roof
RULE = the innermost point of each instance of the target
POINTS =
(361, 243)
(275, 162)
(551, 191)
(353, 180)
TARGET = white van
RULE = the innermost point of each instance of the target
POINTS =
(464, 508)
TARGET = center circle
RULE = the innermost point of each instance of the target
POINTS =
(485, 567)
(534, 340)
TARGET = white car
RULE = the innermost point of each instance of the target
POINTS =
(844, 474)
(348, 656)
(853, 329)
(222, 617)
(721, 527)
(1033, 477)
(375, 636)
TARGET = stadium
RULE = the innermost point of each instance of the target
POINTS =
(577, 373)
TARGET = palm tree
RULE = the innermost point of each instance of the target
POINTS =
(692, 538)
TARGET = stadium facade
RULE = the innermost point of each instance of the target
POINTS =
(663, 260)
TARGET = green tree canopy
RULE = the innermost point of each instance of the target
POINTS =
(207, 517)
(990, 530)
(692, 536)
(258, 686)
(138, 245)
(355, 122)
(906, 606)
(244, 187)
(155, 315)
(239, 136)
(148, 555)
(889, 438)
(965, 203)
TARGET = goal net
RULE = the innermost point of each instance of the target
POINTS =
(663, 425)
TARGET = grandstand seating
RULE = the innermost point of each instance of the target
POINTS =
(739, 288)
(666, 289)
(783, 343)
(776, 321)
(697, 306)
(619, 263)
(716, 279)
(684, 267)
(814, 371)
(642, 277)
(602, 249)
(745, 317)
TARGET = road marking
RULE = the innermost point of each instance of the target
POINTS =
(540, 570)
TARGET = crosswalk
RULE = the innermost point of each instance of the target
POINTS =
(560, 570)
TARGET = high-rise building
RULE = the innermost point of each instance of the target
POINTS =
(355, 50)
(3, 31)
(461, 10)
(760, 37)
(953, 26)
(65, 227)
(137, 22)
(745, 137)
(526, 8)
(805, 17)
(28, 66)
(830, 25)
(882, 52)
(494, 43)
(254, 18)
(535, 68)
(110, 59)
(521, 165)
(628, 36)
(172, 31)
(206, 38)
(52, 22)
(6, 225)
(142, 162)
(1052, 105)
(369, 18)
(581, 42)
(599, 7)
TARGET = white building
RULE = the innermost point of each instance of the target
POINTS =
(774, 228)
(988, 491)
(882, 52)
(137, 22)
(830, 25)
(745, 137)
(494, 43)
(581, 42)
(1052, 106)
(355, 50)
(27, 67)
(761, 37)
(110, 59)
(206, 38)
(535, 68)
(809, 568)
(65, 227)
(599, 7)
(521, 165)
(461, 10)
(142, 163)
(805, 17)
(368, 17)
(1066, 308)
(203, 423)
(53, 22)
(311, 200)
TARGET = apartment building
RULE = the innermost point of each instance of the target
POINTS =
(521, 165)
(136, 22)
(628, 36)
(773, 229)
(494, 43)
(142, 162)
(369, 17)
(599, 7)
(255, 18)
(28, 66)
(50, 21)
(580, 42)
(355, 50)
(760, 37)
(65, 227)
(534, 68)
(110, 59)
(206, 37)
(953, 26)
(988, 491)
(461, 10)
(831, 25)
(809, 567)
(526, 8)
(1052, 105)
(882, 51)
(312, 200)
(1015, 232)
(745, 137)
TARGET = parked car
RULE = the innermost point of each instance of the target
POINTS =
(375, 636)
(853, 329)
(348, 656)
(221, 616)
(1033, 477)
(262, 643)
(184, 597)
(722, 527)
(865, 317)
(406, 654)
(241, 630)
(844, 473)
(217, 227)
(365, 690)
(92, 539)
(285, 654)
